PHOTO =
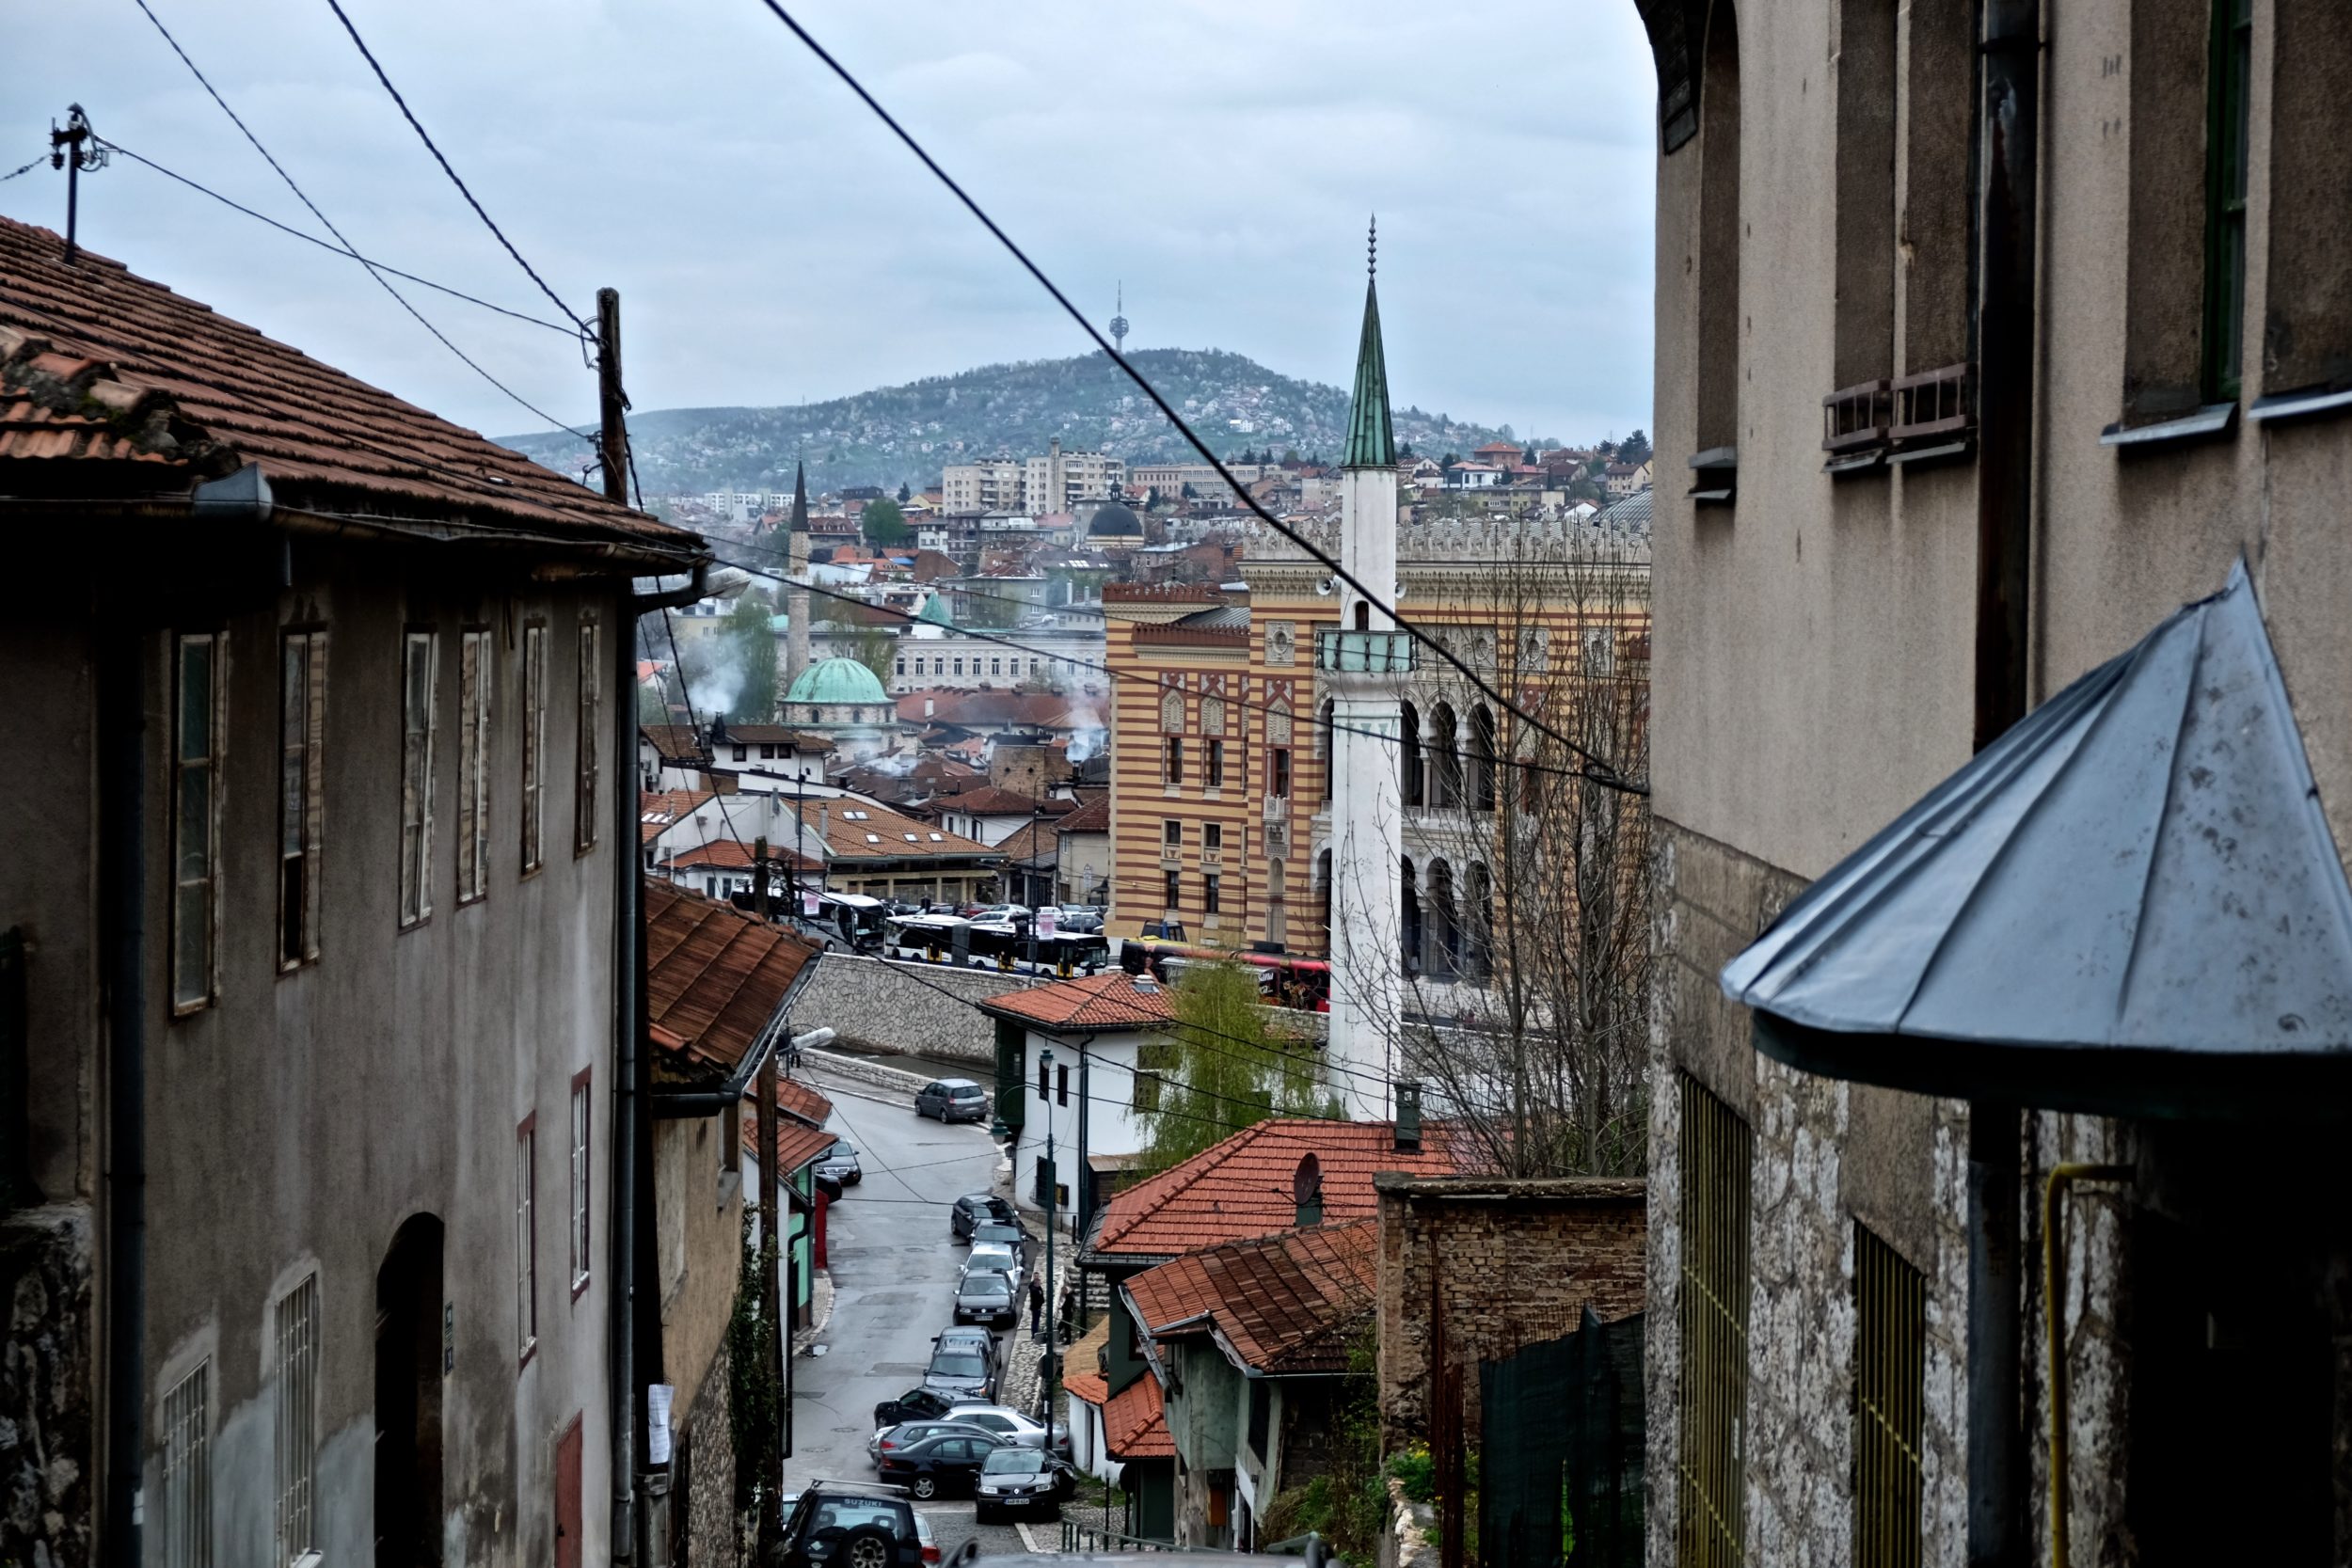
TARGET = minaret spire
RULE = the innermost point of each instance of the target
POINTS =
(1371, 438)
(796, 627)
(800, 498)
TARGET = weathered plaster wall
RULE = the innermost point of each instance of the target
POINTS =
(48, 1461)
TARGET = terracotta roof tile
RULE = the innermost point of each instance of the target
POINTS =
(676, 742)
(1240, 1187)
(1114, 1001)
(796, 1145)
(659, 810)
(989, 801)
(730, 854)
(874, 833)
(1093, 818)
(1082, 1375)
(1284, 1303)
(1135, 1422)
(797, 1098)
(97, 363)
(714, 976)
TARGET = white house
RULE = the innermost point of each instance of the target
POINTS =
(1090, 1055)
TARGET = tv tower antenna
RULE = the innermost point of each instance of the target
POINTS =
(1119, 322)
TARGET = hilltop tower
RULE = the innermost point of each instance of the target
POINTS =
(796, 600)
(1363, 664)
(1119, 322)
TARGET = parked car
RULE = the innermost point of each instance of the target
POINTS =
(952, 1100)
(1162, 931)
(963, 1361)
(975, 1208)
(944, 1465)
(887, 1438)
(915, 1404)
(841, 1163)
(992, 1256)
(988, 1298)
(833, 1523)
(1003, 1233)
(1011, 1426)
(1013, 1477)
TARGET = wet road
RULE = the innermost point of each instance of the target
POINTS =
(893, 1265)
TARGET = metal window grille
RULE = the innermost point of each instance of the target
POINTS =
(534, 738)
(526, 1229)
(474, 670)
(187, 1511)
(581, 1267)
(196, 821)
(591, 737)
(297, 1416)
(416, 776)
(302, 793)
(1717, 1148)
(1890, 1369)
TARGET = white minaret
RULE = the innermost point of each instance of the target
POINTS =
(796, 599)
(1362, 666)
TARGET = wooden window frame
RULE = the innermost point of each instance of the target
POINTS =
(1278, 778)
(188, 998)
(588, 742)
(301, 793)
(1212, 894)
(1172, 890)
(477, 696)
(534, 758)
(2229, 94)
(1213, 765)
(526, 1241)
(582, 1216)
(1173, 761)
(418, 731)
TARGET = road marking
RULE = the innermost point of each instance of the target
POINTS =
(1027, 1538)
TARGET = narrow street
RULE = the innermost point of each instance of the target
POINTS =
(894, 1266)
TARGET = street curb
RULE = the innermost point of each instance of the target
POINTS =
(833, 1087)
(821, 1299)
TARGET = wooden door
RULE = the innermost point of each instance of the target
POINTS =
(568, 1497)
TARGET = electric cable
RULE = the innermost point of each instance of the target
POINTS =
(369, 54)
(235, 119)
(1598, 768)
(26, 169)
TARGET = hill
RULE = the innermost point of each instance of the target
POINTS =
(907, 433)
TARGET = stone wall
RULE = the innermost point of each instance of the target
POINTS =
(1516, 1262)
(889, 1005)
(703, 1507)
(48, 1468)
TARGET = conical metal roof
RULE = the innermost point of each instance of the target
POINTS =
(2130, 904)
(1370, 440)
(800, 500)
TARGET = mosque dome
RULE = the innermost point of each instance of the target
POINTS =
(836, 681)
(1113, 520)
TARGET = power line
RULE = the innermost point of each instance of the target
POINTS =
(26, 169)
(386, 283)
(113, 146)
(369, 54)
(1598, 768)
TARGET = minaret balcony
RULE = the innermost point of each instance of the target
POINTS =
(1364, 653)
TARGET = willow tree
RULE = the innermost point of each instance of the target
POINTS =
(1224, 1066)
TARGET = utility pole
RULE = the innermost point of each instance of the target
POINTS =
(1047, 1379)
(774, 1254)
(70, 150)
(612, 403)
(759, 877)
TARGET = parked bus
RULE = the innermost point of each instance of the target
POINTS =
(1285, 980)
(1003, 945)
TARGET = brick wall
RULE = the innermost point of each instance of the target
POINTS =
(1515, 1263)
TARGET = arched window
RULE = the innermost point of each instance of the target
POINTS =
(1478, 925)
(1445, 760)
(1278, 722)
(1326, 750)
(1480, 779)
(1445, 928)
(1212, 716)
(1410, 928)
(1172, 713)
(1322, 892)
(1409, 752)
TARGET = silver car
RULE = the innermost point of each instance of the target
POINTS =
(992, 1257)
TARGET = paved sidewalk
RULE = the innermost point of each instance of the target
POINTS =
(819, 1313)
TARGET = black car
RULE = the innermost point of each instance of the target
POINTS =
(1020, 1478)
(947, 1463)
(987, 1297)
(840, 1525)
(915, 1404)
(1003, 1231)
(974, 1209)
(964, 1364)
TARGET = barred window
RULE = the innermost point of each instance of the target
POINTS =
(199, 734)
(297, 1395)
(1889, 1378)
(1712, 1314)
(534, 738)
(475, 660)
(187, 1500)
(301, 795)
(415, 777)
(590, 739)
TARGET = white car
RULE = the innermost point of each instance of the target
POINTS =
(995, 1257)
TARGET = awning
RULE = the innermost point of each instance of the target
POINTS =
(2130, 904)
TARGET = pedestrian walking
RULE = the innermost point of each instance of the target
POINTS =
(1037, 1301)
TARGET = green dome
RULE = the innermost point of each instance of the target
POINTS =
(935, 613)
(836, 680)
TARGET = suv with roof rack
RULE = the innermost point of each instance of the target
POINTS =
(848, 1524)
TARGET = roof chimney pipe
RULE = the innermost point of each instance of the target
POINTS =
(718, 728)
(1409, 1118)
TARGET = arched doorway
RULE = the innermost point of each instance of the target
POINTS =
(408, 1398)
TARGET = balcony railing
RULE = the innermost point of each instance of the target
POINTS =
(1364, 653)
(1935, 411)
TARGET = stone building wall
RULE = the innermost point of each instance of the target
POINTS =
(704, 1506)
(48, 1465)
(1516, 1262)
(889, 1005)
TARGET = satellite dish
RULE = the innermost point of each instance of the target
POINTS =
(1307, 1182)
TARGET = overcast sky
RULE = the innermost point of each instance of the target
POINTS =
(773, 244)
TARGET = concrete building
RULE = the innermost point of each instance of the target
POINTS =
(1058, 481)
(1979, 354)
(990, 484)
(1108, 1036)
(309, 958)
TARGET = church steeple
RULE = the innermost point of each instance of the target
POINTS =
(800, 499)
(1371, 438)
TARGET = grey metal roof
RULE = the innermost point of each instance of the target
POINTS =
(1227, 617)
(1629, 516)
(2130, 904)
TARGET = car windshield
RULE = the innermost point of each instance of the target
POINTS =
(989, 1284)
(851, 1512)
(970, 1091)
(845, 1152)
(1018, 1461)
(959, 1364)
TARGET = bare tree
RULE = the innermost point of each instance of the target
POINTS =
(1521, 996)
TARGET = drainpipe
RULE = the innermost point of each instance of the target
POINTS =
(2008, 162)
(122, 942)
(2054, 1319)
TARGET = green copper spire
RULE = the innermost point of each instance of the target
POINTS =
(1371, 440)
(800, 499)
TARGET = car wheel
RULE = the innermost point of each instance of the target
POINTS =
(925, 1487)
(866, 1548)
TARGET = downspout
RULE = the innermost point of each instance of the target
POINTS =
(631, 1128)
(2054, 1319)
(122, 942)
(2007, 223)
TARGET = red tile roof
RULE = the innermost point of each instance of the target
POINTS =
(1240, 1187)
(874, 833)
(989, 801)
(795, 1098)
(730, 854)
(796, 1145)
(1025, 709)
(1135, 1422)
(676, 742)
(1284, 1303)
(1112, 1001)
(98, 365)
(1093, 818)
(1083, 1374)
(1035, 843)
(714, 977)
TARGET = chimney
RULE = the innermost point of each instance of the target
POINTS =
(1409, 1118)
(1306, 1190)
(718, 728)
